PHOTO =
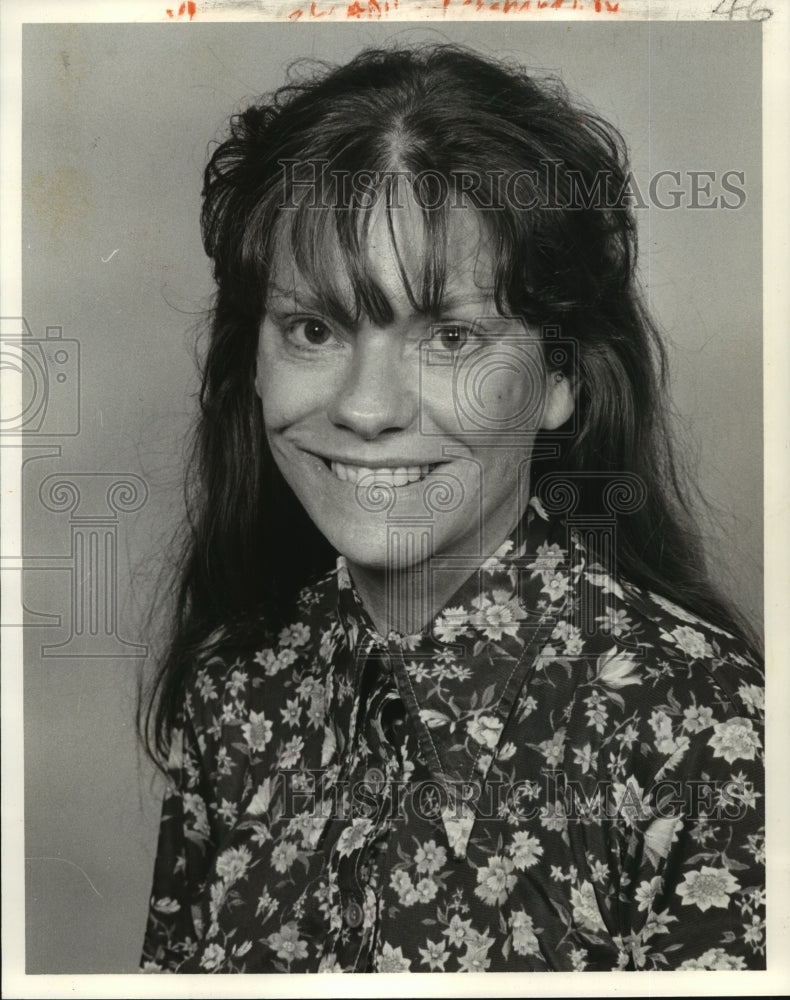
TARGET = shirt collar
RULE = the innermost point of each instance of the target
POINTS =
(459, 677)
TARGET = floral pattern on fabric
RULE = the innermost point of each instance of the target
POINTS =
(563, 772)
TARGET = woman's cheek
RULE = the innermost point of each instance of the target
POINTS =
(497, 393)
(520, 401)
(289, 391)
(440, 408)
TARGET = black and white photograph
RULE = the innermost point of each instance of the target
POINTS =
(391, 449)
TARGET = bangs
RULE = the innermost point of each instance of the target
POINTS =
(329, 241)
(329, 246)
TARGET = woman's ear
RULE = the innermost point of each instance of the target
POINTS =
(560, 401)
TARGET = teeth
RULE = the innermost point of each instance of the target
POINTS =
(401, 476)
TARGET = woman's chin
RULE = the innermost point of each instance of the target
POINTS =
(382, 548)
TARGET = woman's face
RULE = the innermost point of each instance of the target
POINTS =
(420, 429)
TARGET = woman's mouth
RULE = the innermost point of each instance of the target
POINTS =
(402, 475)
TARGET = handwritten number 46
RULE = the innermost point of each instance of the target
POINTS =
(750, 8)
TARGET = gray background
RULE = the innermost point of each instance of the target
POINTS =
(116, 120)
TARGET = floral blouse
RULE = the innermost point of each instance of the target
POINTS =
(563, 772)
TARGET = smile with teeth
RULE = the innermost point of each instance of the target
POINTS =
(401, 476)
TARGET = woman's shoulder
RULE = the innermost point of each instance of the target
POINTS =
(661, 692)
(692, 655)
(237, 659)
(656, 630)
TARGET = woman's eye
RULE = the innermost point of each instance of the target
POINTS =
(315, 332)
(303, 334)
(451, 336)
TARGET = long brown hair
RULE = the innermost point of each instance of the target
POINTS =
(565, 243)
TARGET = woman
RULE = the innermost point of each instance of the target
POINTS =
(448, 688)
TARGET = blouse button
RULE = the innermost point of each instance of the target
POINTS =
(353, 915)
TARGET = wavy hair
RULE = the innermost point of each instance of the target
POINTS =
(564, 242)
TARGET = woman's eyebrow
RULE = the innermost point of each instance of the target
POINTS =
(303, 298)
(456, 301)
(484, 300)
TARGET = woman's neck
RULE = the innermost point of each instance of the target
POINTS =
(406, 598)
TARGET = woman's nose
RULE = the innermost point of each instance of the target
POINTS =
(379, 392)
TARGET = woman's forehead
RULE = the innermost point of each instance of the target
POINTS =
(396, 246)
